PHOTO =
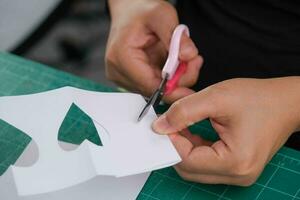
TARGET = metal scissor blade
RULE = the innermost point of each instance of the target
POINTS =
(151, 102)
(154, 99)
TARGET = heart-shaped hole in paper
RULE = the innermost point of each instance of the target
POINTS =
(76, 127)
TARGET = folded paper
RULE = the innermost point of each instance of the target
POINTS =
(123, 146)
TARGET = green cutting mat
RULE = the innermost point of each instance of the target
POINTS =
(280, 179)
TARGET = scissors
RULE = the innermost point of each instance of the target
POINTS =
(171, 72)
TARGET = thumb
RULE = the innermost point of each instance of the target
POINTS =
(184, 113)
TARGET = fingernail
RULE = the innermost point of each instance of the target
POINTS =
(161, 125)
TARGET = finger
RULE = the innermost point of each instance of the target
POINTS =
(187, 50)
(118, 78)
(201, 159)
(183, 146)
(196, 140)
(190, 77)
(208, 178)
(163, 25)
(201, 178)
(145, 77)
(177, 94)
(185, 112)
(157, 54)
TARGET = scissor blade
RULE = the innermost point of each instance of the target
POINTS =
(154, 99)
(144, 112)
(151, 102)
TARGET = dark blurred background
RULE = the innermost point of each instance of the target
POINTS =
(71, 37)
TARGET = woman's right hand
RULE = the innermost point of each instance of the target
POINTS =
(138, 45)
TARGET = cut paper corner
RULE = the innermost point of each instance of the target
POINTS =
(79, 136)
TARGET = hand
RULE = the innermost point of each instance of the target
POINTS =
(138, 43)
(253, 118)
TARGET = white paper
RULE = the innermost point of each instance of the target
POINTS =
(100, 187)
(129, 147)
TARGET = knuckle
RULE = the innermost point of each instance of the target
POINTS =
(244, 169)
(247, 181)
(245, 173)
(249, 174)
(184, 165)
(217, 96)
(184, 175)
(177, 112)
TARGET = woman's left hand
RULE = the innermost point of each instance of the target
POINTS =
(253, 118)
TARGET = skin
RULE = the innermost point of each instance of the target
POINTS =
(253, 117)
(137, 47)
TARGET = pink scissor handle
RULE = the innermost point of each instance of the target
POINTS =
(172, 62)
(172, 84)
